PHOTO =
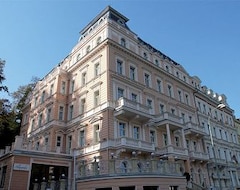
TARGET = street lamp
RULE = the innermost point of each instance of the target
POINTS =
(220, 106)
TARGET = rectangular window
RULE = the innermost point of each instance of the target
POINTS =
(180, 95)
(63, 87)
(134, 97)
(97, 69)
(96, 133)
(72, 86)
(60, 114)
(147, 79)
(170, 93)
(59, 141)
(40, 120)
(177, 142)
(46, 141)
(84, 78)
(136, 132)
(165, 140)
(33, 125)
(149, 103)
(173, 187)
(132, 73)
(159, 85)
(70, 116)
(195, 145)
(152, 136)
(51, 90)
(3, 176)
(187, 99)
(81, 138)
(119, 67)
(37, 145)
(122, 129)
(35, 101)
(69, 143)
(43, 96)
(161, 108)
(120, 93)
(49, 111)
(82, 105)
(96, 98)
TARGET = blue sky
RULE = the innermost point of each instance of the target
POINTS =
(202, 35)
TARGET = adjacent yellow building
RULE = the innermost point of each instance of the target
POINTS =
(118, 114)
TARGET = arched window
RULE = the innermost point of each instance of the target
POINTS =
(124, 166)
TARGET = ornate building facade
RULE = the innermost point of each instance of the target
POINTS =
(117, 113)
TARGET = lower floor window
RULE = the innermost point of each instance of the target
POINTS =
(173, 187)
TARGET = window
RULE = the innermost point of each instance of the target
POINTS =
(70, 116)
(119, 67)
(40, 120)
(69, 143)
(180, 95)
(35, 101)
(81, 138)
(96, 98)
(99, 39)
(145, 55)
(187, 99)
(195, 145)
(59, 138)
(84, 78)
(96, 133)
(149, 103)
(49, 111)
(33, 125)
(136, 132)
(177, 142)
(122, 129)
(187, 143)
(82, 105)
(60, 114)
(43, 96)
(123, 167)
(46, 141)
(88, 49)
(63, 87)
(156, 62)
(123, 42)
(159, 85)
(173, 187)
(161, 108)
(97, 69)
(183, 117)
(152, 136)
(120, 93)
(134, 97)
(3, 176)
(132, 73)
(72, 86)
(165, 140)
(173, 111)
(79, 56)
(170, 93)
(147, 79)
(37, 145)
(51, 90)
(167, 68)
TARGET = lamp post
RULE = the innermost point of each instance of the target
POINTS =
(220, 106)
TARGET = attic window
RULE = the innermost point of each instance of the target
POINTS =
(120, 21)
(123, 42)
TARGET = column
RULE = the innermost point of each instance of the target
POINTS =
(168, 135)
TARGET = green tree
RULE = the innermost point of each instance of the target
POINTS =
(2, 77)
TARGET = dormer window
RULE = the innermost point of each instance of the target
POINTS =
(120, 21)
(123, 42)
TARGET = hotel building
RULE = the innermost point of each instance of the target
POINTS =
(118, 114)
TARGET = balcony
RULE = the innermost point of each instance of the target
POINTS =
(127, 167)
(192, 129)
(172, 150)
(201, 156)
(175, 122)
(132, 110)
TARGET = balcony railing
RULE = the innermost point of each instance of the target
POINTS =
(194, 128)
(198, 155)
(170, 149)
(132, 104)
(169, 118)
(129, 167)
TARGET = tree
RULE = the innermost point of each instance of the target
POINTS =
(2, 77)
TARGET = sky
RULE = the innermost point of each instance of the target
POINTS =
(201, 35)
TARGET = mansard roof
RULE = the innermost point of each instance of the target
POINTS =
(111, 14)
